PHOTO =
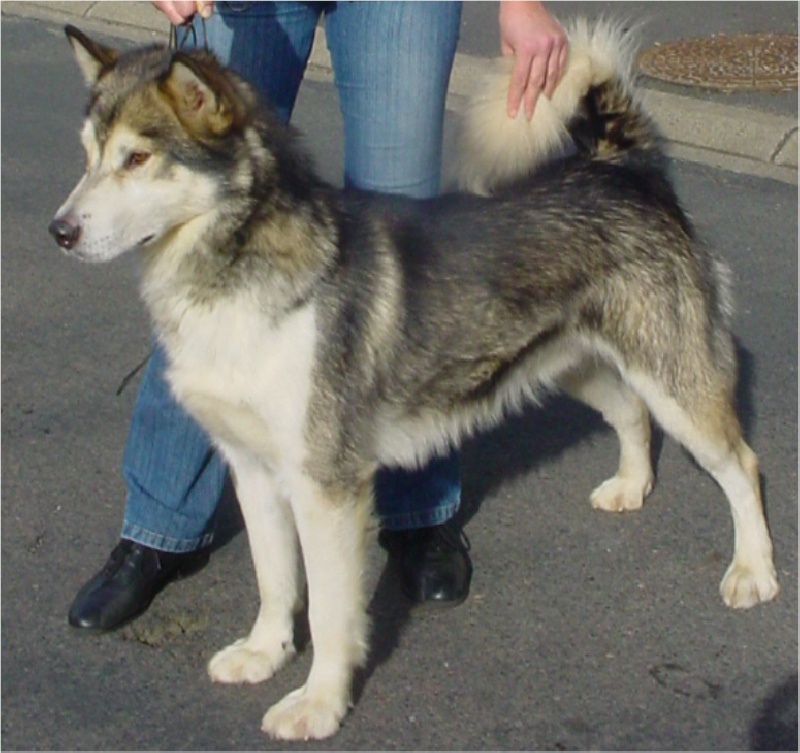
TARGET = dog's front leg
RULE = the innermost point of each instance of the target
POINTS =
(273, 546)
(332, 531)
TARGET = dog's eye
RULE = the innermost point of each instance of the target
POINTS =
(136, 159)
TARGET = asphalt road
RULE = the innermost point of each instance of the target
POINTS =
(582, 630)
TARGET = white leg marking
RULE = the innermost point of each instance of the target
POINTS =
(332, 533)
(717, 445)
(750, 578)
(273, 546)
(602, 389)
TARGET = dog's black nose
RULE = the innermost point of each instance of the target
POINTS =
(65, 231)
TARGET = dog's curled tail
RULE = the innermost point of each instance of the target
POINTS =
(594, 104)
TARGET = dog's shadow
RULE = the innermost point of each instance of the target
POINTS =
(516, 448)
(488, 461)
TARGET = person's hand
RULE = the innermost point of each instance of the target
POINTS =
(539, 46)
(181, 11)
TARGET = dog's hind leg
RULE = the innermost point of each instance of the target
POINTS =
(601, 388)
(710, 430)
(273, 547)
(332, 528)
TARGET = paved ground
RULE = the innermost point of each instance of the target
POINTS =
(582, 630)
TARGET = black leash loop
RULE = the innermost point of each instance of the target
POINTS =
(189, 39)
(126, 380)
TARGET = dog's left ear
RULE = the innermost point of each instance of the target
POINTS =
(93, 59)
(202, 96)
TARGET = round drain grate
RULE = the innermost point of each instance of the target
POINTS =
(729, 63)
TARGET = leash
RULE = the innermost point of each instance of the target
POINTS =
(126, 380)
(189, 39)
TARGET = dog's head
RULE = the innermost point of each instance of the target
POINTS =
(160, 136)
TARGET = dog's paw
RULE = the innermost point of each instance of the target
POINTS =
(305, 716)
(619, 494)
(243, 662)
(744, 586)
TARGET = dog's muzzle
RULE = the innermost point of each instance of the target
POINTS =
(66, 231)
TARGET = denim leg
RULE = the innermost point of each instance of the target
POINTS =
(174, 477)
(393, 112)
(392, 63)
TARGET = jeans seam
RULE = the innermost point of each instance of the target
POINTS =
(163, 543)
(432, 517)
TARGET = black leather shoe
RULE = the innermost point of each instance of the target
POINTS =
(124, 588)
(433, 562)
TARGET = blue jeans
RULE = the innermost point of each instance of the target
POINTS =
(391, 64)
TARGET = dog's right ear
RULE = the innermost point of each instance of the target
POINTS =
(203, 98)
(94, 59)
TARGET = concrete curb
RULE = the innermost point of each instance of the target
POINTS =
(739, 139)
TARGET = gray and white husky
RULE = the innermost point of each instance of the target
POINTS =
(317, 334)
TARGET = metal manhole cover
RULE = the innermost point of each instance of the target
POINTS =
(729, 63)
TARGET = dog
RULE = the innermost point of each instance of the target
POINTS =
(317, 334)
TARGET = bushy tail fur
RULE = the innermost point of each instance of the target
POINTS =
(595, 105)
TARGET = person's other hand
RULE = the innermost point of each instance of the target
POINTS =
(539, 46)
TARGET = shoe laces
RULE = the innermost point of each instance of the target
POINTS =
(455, 536)
(446, 536)
(123, 552)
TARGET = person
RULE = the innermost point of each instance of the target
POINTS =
(392, 63)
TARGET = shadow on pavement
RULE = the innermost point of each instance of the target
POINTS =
(775, 727)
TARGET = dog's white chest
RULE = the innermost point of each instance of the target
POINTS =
(246, 382)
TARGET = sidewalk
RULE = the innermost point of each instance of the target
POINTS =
(739, 139)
